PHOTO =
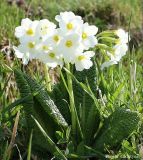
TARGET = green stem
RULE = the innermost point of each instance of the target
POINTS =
(71, 98)
(47, 78)
(104, 46)
(106, 33)
(108, 39)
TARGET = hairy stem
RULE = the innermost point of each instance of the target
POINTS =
(47, 78)
(71, 98)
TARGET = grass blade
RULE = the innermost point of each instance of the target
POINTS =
(30, 146)
(9, 150)
(54, 149)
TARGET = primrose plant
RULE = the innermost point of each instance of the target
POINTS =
(69, 114)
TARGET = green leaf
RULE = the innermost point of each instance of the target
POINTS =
(87, 110)
(91, 126)
(61, 99)
(53, 148)
(25, 91)
(40, 106)
(28, 106)
(117, 127)
(46, 102)
(82, 99)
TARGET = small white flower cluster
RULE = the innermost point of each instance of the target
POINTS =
(119, 50)
(55, 46)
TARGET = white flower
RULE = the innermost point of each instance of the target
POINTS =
(88, 35)
(108, 63)
(51, 58)
(54, 39)
(20, 53)
(69, 46)
(69, 22)
(123, 36)
(27, 51)
(45, 28)
(26, 31)
(42, 49)
(83, 60)
(119, 51)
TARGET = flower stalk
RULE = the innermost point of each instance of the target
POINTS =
(71, 98)
(47, 78)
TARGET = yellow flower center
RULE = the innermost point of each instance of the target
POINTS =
(52, 55)
(80, 58)
(84, 35)
(56, 38)
(31, 45)
(45, 47)
(30, 32)
(69, 43)
(69, 26)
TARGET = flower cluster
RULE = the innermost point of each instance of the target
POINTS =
(68, 43)
(119, 49)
